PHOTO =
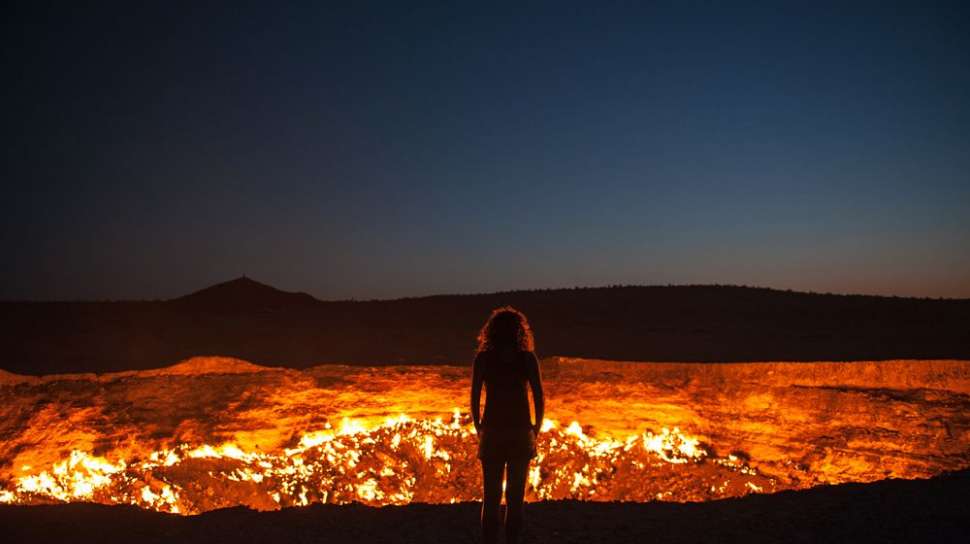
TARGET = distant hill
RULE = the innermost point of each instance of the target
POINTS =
(243, 294)
(252, 321)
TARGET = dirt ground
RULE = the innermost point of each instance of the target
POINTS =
(935, 510)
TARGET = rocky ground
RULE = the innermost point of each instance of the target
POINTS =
(934, 510)
(759, 427)
(795, 424)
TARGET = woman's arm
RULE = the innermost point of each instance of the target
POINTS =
(535, 382)
(478, 377)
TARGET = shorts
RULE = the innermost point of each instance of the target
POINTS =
(501, 444)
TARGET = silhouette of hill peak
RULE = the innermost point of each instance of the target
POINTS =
(244, 293)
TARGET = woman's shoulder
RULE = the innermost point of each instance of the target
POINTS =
(522, 356)
(481, 357)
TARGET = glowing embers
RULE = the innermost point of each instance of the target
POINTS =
(75, 478)
(400, 461)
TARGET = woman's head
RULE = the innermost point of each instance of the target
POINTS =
(506, 327)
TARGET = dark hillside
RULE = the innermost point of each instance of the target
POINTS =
(246, 319)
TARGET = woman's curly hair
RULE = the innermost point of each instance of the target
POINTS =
(506, 327)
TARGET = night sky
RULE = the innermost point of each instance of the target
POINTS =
(381, 151)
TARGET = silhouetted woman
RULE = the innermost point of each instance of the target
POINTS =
(506, 364)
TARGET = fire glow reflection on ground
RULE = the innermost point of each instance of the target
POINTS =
(212, 432)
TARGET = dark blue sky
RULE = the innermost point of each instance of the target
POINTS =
(389, 150)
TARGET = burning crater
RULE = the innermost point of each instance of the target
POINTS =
(215, 432)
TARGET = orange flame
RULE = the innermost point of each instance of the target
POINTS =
(400, 461)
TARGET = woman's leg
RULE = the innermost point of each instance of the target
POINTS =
(514, 495)
(491, 499)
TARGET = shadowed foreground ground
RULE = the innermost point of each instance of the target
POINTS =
(936, 510)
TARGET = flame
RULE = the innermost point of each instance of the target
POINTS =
(273, 438)
(399, 461)
(74, 478)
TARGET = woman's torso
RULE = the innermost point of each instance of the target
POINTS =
(506, 390)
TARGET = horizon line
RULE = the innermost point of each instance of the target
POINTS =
(487, 293)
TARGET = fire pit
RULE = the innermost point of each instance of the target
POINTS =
(214, 432)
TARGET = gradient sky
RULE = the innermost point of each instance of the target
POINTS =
(387, 150)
